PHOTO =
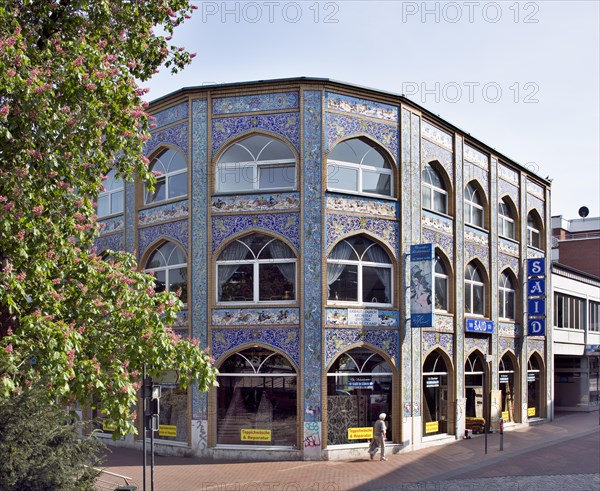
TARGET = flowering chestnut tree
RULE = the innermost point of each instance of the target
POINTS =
(78, 324)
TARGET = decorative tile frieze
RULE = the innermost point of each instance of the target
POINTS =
(255, 203)
(538, 345)
(257, 102)
(437, 222)
(443, 241)
(112, 225)
(506, 246)
(286, 125)
(481, 343)
(337, 226)
(225, 341)
(432, 340)
(535, 203)
(114, 242)
(505, 260)
(476, 236)
(339, 340)
(534, 253)
(443, 323)
(508, 344)
(472, 172)
(361, 107)
(171, 115)
(535, 189)
(382, 208)
(156, 214)
(285, 224)
(175, 135)
(476, 157)
(509, 329)
(340, 126)
(508, 189)
(379, 318)
(508, 174)
(476, 251)
(436, 135)
(181, 322)
(430, 152)
(177, 231)
(255, 316)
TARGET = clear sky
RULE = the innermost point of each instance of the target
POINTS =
(523, 77)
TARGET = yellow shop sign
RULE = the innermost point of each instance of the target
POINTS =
(255, 435)
(167, 430)
(432, 427)
(360, 433)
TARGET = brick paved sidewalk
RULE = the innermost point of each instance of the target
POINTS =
(570, 445)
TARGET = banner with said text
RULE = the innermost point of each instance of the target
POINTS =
(421, 285)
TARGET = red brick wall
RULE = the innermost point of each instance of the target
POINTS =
(582, 254)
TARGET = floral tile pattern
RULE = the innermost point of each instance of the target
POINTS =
(434, 339)
(508, 174)
(381, 208)
(340, 126)
(158, 214)
(443, 323)
(431, 152)
(362, 107)
(339, 340)
(509, 247)
(512, 262)
(508, 329)
(255, 317)
(286, 224)
(533, 202)
(177, 231)
(536, 345)
(482, 343)
(507, 343)
(339, 317)
(508, 189)
(114, 242)
(476, 157)
(255, 202)
(436, 135)
(171, 115)
(437, 222)
(250, 103)
(112, 225)
(176, 136)
(474, 173)
(338, 226)
(476, 236)
(130, 217)
(535, 189)
(226, 340)
(286, 125)
(443, 241)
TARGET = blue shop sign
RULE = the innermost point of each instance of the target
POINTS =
(536, 267)
(536, 307)
(479, 325)
(536, 287)
(536, 327)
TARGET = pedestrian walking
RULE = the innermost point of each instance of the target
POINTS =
(378, 442)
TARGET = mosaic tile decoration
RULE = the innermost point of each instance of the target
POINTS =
(473, 173)
(460, 260)
(535, 189)
(226, 340)
(536, 345)
(114, 242)
(507, 343)
(257, 102)
(177, 231)
(509, 329)
(171, 115)
(507, 246)
(176, 136)
(437, 222)
(361, 107)
(482, 343)
(476, 236)
(476, 157)
(286, 125)
(340, 126)
(157, 214)
(508, 174)
(339, 317)
(510, 262)
(436, 135)
(405, 129)
(182, 320)
(443, 323)
(382, 208)
(443, 241)
(339, 340)
(338, 226)
(255, 202)
(432, 340)
(312, 254)
(534, 203)
(130, 217)
(532, 253)
(255, 316)
(431, 152)
(510, 190)
(476, 251)
(285, 224)
(112, 225)
(198, 254)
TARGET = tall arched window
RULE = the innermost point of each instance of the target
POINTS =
(169, 267)
(507, 380)
(110, 201)
(359, 166)
(535, 393)
(534, 231)
(506, 220)
(434, 193)
(474, 210)
(474, 387)
(359, 270)
(474, 290)
(255, 269)
(442, 284)
(256, 399)
(258, 162)
(436, 404)
(171, 180)
(506, 296)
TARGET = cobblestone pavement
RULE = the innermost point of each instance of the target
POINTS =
(560, 455)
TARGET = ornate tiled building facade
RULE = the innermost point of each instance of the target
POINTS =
(358, 353)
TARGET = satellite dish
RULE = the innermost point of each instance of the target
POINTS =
(584, 211)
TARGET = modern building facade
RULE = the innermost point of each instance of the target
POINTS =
(286, 211)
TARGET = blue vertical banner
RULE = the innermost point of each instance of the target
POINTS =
(421, 285)
(536, 296)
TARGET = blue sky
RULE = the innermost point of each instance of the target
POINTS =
(523, 77)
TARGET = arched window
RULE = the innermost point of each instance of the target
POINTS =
(506, 220)
(360, 271)
(474, 290)
(257, 162)
(442, 284)
(474, 389)
(473, 206)
(434, 193)
(255, 269)
(507, 386)
(171, 181)
(110, 201)
(169, 267)
(359, 388)
(358, 166)
(436, 405)
(534, 387)
(534, 231)
(256, 399)
(506, 296)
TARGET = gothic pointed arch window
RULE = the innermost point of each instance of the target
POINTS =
(474, 289)
(357, 165)
(441, 277)
(168, 265)
(170, 167)
(256, 163)
(506, 296)
(474, 206)
(534, 230)
(112, 198)
(434, 192)
(506, 219)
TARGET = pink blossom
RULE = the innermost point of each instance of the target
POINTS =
(37, 210)
(9, 348)
(9, 206)
(78, 61)
(4, 110)
(21, 276)
(8, 267)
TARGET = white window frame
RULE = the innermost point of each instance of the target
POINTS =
(433, 190)
(471, 285)
(504, 219)
(166, 177)
(112, 186)
(532, 231)
(168, 267)
(505, 289)
(446, 279)
(472, 207)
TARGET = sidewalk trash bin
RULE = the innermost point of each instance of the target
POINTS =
(126, 488)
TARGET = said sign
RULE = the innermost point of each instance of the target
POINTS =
(536, 296)
(479, 325)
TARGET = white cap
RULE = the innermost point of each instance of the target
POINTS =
(382, 416)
